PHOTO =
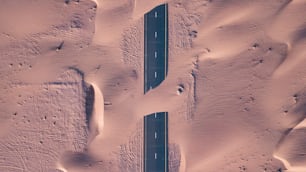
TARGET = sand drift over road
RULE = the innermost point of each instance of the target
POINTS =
(72, 74)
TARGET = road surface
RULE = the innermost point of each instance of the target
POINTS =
(156, 142)
(155, 47)
(155, 71)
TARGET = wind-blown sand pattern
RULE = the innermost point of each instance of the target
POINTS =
(49, 120)
(72, 85)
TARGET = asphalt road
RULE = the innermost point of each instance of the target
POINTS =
(156, 47)
(155, 71)
(156, 142)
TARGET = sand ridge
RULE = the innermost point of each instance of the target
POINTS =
(235, 89)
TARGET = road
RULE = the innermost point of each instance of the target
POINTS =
(155, 72)
(156, 142)
(155, 47)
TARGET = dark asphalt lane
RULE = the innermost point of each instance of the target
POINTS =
(156, 142)
(156, 47)
(155, 71)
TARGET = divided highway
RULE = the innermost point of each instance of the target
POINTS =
(155, 71)
(156, 142)
(155, 47)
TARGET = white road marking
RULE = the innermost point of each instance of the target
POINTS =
(166, 35)
(145, 139)
(155, 14)
(145, 49)
(166, 114)
(155, 135)
(155, 74)
(155, 54)
(155, 155)
(155, 34)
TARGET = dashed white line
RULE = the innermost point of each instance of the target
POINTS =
(155, 34)
(155, 74)
(155, 155)
(155, 135)
(155, 54)
(155, 14)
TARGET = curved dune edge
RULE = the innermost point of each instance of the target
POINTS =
(97, 2)
(301, 125)
(97, 122)
(288, 166)
(60, 167)
(286, 163)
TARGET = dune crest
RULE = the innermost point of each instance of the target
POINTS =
(291, 149)
(97, 122)
(97, 2)
(233, 88)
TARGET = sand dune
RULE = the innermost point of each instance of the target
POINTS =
(72, 85)
(291, 148)
(98, 114)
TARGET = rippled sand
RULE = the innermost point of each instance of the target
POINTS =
(72, 85)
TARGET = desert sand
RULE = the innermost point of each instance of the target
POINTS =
(72, 85)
